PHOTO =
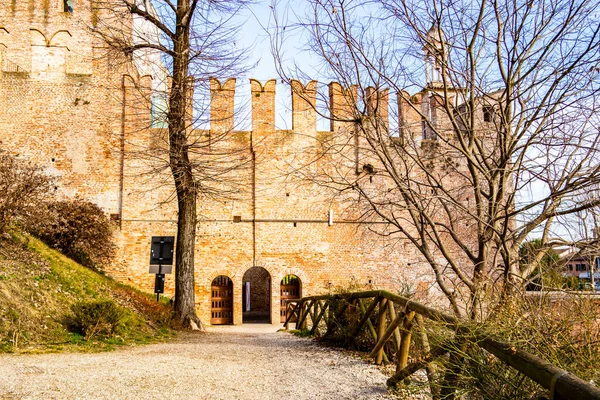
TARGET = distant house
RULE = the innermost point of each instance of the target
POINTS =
(576, 264)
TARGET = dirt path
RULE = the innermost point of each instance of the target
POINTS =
(250, 362)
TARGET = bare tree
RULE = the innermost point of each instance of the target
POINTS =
(23, 187)
(181, 43)
(495, 136)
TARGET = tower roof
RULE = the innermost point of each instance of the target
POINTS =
(434, 39)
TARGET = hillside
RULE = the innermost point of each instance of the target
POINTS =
(38, 286)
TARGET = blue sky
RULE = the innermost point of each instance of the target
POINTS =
(256, 21)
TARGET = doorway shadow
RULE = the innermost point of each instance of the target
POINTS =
(256, 292)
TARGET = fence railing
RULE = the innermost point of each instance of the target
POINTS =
(393, 328)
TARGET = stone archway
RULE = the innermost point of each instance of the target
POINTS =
(256, 295)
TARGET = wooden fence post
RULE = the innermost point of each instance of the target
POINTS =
(381, 340)
(301, 324)
(392, 312)
(288, 315)
(300, 314)
(381, 328)
(370, 326)
(316, 322)
(405, 341)
(429, 368)
(365, 317)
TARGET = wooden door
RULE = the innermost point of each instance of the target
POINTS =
(290, 289)
(221, 309)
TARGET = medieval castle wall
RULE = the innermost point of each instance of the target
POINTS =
(89, 123)
(279, 217)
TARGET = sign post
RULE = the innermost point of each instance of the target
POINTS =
(161, 261)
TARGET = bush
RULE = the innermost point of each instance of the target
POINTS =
(22, 188)
(78, 229)
(561, 328)
(97, 318)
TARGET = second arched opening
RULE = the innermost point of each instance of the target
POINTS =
(256, 292)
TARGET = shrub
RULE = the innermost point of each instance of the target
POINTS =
(23, 187)
(97, 318)
(78, 229)
(561, 328)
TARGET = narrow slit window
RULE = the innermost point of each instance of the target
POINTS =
(428, 132)
(159, 111)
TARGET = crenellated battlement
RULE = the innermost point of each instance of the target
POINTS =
(222, 105)
(263, 106)
(342, 105)
(304, 105)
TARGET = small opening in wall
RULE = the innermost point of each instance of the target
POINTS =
(369, 281)
(287, 195)
(488, 113)
(371, 179)
(369, 169)
(295, 224)
(52, 159)
(55, 187)
(237, 218)
(68, 6)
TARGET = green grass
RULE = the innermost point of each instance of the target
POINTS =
(300, 332)
(39, 285)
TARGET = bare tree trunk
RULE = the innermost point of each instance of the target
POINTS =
(185, 302)
(181, 168)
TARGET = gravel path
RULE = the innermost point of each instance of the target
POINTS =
(249, 362)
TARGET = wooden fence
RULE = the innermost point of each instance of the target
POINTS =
(396, 316)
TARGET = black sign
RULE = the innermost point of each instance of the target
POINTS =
(159, 283)
(161, 250)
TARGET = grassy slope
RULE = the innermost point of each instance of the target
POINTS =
(37, 288)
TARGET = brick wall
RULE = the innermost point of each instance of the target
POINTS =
(61, 98)
(73, 114)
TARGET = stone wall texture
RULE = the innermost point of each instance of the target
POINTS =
(87, 122)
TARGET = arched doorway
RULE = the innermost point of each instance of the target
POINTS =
(289, 289)
(221, 301)
(256, 292)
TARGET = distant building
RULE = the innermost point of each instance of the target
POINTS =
(576, 264)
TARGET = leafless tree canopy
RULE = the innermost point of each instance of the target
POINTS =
(506, 143)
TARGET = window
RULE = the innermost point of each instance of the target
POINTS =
(460, 116)
(159, 111)
(428, 132)
(67, 6)
(437, 74)
(488, 114)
